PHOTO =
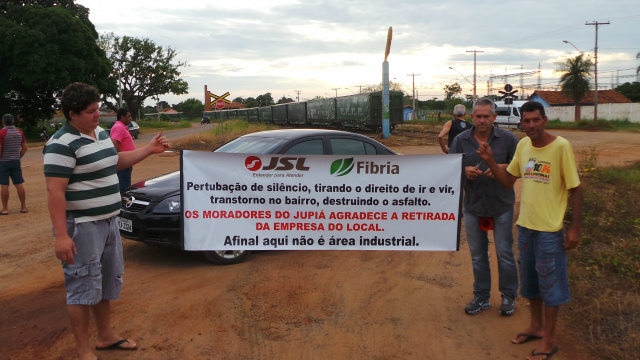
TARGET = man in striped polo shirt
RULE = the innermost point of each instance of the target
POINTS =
(13, 146)
(80, 164)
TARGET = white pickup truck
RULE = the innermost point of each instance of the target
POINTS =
(508, 115)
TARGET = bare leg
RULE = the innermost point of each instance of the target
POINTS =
(5, 198)
(79, 319)
(22, 197)
(546, 345)
(106, 335)
(536, 324)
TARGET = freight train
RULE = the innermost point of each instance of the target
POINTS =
(358, 111)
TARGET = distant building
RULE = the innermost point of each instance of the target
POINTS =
(407, 113)
(559, 98)
(173, 114)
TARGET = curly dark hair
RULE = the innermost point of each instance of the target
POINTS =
(77, 97)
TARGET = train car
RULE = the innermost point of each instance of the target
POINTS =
(321, 112)
(297, 113)
(252, 115)
(232, 114)
(370, 111)
(243, 114)
(265, 114)
(357, 111)
(279, 113)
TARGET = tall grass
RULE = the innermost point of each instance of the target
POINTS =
(605, 271)
(217, 136)
(600, 125)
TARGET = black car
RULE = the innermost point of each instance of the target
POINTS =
(134, 129)
(205, 120)
(150, 211)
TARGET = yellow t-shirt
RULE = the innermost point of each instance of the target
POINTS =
(547, 174)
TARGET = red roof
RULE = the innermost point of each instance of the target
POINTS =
(561, 98)
(234, 105)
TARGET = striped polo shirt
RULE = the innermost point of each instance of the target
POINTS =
(11, 140)
(90, 165)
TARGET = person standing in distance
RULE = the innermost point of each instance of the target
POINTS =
(486, 200)
(122, 141)
(453, 127)
(80, 164)
(13, 146)
(547, 167)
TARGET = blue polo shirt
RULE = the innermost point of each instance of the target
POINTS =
(486, 196)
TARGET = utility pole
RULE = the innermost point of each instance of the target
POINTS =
(475, 52)
(413, 116)
(595, 94)
(359, 86)
(336, 89)
(297, 94)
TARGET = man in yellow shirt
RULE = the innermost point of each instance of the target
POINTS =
(546, 164)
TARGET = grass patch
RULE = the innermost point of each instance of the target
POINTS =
(155, 126)
(605, 271)
(217, 136)
(600, 125)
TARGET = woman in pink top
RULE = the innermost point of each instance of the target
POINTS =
(122, 141)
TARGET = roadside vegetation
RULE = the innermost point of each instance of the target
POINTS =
(605, 271)
(601, 125)
(146, 126)
(217, 136)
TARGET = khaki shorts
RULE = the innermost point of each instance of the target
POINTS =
(96, 274)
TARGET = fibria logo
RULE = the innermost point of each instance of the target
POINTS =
(253, 163)
(341, 167)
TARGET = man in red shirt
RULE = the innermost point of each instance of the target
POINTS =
(122, 141)
(13, 146)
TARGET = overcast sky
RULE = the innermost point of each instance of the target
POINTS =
(252, 47)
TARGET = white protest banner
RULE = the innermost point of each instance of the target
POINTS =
(315, 202)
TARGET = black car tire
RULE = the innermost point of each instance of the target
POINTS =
(226, 257)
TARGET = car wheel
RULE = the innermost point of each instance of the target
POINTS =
(135, 136)
(226, 257)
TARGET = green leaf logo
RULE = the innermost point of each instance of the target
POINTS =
(341, 167)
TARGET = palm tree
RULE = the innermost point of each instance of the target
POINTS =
(575, 80)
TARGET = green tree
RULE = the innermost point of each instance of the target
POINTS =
(143, 69)
(284, 100)
(265, 99)
(42, 50)
(630, 90)
(451, 91)
(575, 79)
(191, 107)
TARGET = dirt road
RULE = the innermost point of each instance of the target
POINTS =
(276, 305)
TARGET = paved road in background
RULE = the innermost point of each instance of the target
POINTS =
(173, 135)
(35, 153)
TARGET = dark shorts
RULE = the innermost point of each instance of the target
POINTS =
(98, 267)
(10, 169)
(543, 266)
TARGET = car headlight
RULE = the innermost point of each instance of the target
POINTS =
(170, 205)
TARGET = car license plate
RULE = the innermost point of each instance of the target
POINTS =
(125, 224)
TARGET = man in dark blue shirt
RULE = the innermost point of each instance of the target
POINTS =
(488, 204)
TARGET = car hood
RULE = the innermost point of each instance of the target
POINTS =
(158, 187)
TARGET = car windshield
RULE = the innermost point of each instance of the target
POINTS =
(251, 145)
